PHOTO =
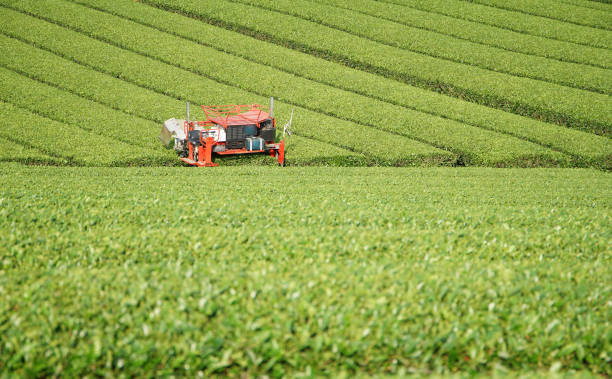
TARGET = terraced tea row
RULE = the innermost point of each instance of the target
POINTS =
(323, 271)
(188, 86)
(68, 108)
(519, 95)
(476, 145)
(593, 4)
(12, 151)
(518, 22)
(586, 148)
(599, 155)
(141, 102)
(479, 33)
(442, 46)
(558, 11)
(69, 144)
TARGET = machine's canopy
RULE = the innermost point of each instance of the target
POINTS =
(254, 116)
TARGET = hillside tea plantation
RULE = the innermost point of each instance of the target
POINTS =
(406, 95)
(446, 208)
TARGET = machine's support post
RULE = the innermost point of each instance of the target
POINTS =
(281, 153)
(271, 107)
(208, 153)
(205, 153)
(201, 155)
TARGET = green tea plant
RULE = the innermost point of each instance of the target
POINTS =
(327, 271)
(44, 66)
(519, 95)
(68, 108)
(590, 4)
(354, 99)
(71, 144)
(484, 34)
(585, 148)
(441, 46)
(574, 14)
(518, 22)
(12, 151)
(200, 90)
(477, 146)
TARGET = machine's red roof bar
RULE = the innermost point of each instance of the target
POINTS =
(224, 112)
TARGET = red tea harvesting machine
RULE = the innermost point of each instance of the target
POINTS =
(227, 130)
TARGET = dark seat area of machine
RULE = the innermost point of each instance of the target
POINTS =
(235, 136)
(268, 133)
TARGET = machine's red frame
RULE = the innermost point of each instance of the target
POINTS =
(224, 116)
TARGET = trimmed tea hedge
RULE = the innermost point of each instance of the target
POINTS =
(318, 271)
(188, 86)
(480, 33)
(586, 148)
(12, 151)
(71, 109)
(518, 22)
(519, 95)
(441, 46)
(476, 146)
(553, 9)
(72, 145)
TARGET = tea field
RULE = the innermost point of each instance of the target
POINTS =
(373, 83)
(250, 271)
(446, 208)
